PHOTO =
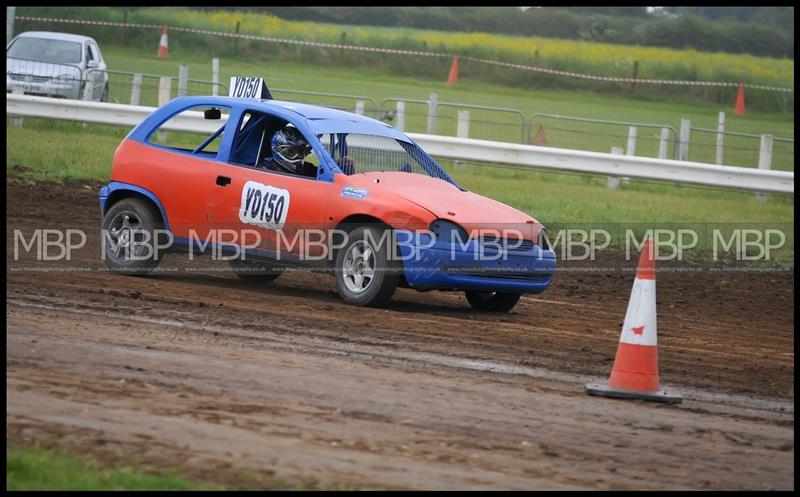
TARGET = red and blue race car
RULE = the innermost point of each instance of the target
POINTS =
(269, 185)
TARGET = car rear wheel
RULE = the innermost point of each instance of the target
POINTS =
(365, 274)
(492, 301)
(129, 229)
(255, 271)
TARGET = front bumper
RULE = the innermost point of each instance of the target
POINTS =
(54, 88)
(436, 266)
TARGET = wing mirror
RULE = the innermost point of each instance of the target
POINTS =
(212, 114)
(92, 64)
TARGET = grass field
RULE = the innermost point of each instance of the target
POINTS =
(42, 469)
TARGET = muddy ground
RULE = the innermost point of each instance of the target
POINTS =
(270, 385)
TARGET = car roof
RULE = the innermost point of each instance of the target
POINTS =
(52, 35)
(320, 119)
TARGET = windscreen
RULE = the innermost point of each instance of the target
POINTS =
(44, 50)
(360, 153)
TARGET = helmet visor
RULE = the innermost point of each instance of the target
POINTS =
(297, 151)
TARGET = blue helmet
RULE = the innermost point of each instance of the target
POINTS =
(289, 149)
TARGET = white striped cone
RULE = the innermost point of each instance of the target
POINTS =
(163, 46)
(635, 371)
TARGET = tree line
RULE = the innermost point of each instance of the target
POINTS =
(762, 31)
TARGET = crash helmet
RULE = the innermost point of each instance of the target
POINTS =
(289, 149)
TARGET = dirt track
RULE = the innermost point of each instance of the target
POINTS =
(234, 382)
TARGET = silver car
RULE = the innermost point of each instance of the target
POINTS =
(59, 65)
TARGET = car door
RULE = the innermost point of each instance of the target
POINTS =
(284, 213)
(178, 166)
(95, 74)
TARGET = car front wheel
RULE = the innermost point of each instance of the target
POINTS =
(492, 301)
(130, 230)
(366, 271)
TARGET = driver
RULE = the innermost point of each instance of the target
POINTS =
(289, 149)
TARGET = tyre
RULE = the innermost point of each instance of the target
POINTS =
(365, 274)
(104, 98)
(129, 229)
(492, 301)
(255, 271)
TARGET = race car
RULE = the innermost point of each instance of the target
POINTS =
(271, 185)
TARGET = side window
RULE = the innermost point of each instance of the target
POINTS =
(252, 146)
(312, 158)
(202, 143)
(89, 52)
(96, 55)
(253, 138)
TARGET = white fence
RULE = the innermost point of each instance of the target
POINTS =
(461, 149)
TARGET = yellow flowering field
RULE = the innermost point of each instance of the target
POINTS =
(597, 58)
(571, 55)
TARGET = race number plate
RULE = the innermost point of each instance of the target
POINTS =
(249, 87)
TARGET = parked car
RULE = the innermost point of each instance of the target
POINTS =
(356, 180)
(59, 65)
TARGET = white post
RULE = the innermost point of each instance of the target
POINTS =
(136, 89)
(613, 181)
(401, 115)
(360, 107)
(462, 131)
(183, 79)
(683, 148)
(215, 76)
(432, 113)
(10, 12)
(765, 154)
(631, 148)
(663, 143)
(720, 137)
(164, 90)
(164, 94)
(463, 124)
(764, 160)
(16, 122)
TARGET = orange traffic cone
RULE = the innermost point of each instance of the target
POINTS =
(163, 47)
(739, 108)
(635, 371)
(452, 79)
(540, 138)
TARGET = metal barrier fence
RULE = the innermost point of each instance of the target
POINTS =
(66, 81)
(599, 135)
(143, 89)
(366, 106)
(454, 119)
(738, 149)
(463, 149)
(430, 116)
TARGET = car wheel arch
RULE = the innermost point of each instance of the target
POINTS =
(120, 193)
(352, 222)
